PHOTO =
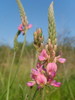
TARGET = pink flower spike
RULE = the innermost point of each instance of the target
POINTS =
(43, 55)
(29, 26)
(62, 60)
(20, 28)
(56, 84)
(31, 83)
(41, 79)
(51, 67)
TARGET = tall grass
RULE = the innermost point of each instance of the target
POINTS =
(19, 90)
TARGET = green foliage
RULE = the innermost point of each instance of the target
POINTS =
(19, 90)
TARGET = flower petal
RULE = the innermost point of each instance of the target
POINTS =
(41, 58)
(34, 73)
(41, 79)
(31, 83)
(39, 65)
(29, 26)
(56, 84)
(43, 55)
(51, 67)
(20, 27)
(53, 74)
(62, 60)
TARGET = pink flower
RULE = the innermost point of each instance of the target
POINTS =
(39, 67)
(62, 60)
(51, 67)
(43, 55)
(53, 74)
(20, 28)
(31, 83)
(41, 79)
(29, 26)
(34, 73)
(56, 84)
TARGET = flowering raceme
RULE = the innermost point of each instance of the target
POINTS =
(45, 71)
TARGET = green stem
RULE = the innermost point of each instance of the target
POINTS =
(15, 42)
(8, 87)
(23, 46)
(43, 94)
(19, 61)
(34, 94)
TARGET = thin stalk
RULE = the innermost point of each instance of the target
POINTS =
(19, 60)
(43, 94)
(28, 95)
(34, 94)
(26, 98)
(24, 43)
(8, 87)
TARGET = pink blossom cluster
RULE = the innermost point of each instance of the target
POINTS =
(45, 71)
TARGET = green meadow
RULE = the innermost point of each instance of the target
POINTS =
(18, 88)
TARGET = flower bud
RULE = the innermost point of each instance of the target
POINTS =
(38, 38)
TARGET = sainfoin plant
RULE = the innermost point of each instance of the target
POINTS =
(44, 72)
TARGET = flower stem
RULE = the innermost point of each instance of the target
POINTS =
(34, 94)
(43, 94)
(23, 46)
(8, 87)
(10, 84)
(19, 61)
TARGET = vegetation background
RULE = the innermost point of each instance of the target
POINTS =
(19, 90)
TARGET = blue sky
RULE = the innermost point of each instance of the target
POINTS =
(37, 13)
